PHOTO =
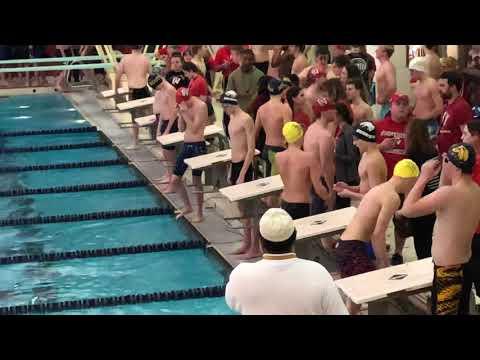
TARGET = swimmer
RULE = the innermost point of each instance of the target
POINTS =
(300, 171)
(370, 224)
(432, 60)
(242, 141)
(321, 64)
(300, 61)
(314, 90)
(428, 101)
(319, 141)
(457, 205)
(193, 117)
(372, 168)
(361, 110)
(385, 78)
(165, 109)
(136, 66)
(271, 116)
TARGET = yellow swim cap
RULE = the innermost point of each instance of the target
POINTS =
(406, 169)
(292, 132)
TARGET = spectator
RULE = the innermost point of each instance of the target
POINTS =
(280, 283)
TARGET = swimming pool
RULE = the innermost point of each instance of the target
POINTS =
(119, 277)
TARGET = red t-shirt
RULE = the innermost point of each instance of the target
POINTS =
(223, 55)
(454, 116)
(198, 86)
(476, 178)
(387, 128)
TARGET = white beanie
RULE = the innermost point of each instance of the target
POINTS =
(276, 225)
(418, 64)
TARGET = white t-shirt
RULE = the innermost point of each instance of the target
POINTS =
(283, 287)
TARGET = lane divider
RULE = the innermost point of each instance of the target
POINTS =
(50, 132)
(97, 163)
(82, 254)
(86, 217)
(53, 147)
(74, 188)
(193, 293)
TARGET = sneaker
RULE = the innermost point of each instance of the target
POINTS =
(396, 259)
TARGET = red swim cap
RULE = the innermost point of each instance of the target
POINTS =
(322, 105)
(182, 95)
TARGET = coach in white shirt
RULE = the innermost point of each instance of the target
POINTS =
(281, 283)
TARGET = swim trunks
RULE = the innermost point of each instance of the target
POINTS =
(141, 93)
(235, 172)
(269, 154)
(318, 205)
(447, 289)
(163, 127)
(189, 150)
(352, 258)
(296, 210)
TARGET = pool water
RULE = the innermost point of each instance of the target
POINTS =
(56, 281)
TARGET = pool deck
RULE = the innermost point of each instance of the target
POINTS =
(213, 229)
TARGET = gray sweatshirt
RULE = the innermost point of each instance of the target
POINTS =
(347, 157)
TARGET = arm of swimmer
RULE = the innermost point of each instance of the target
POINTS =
(437, 100)
(315, 177)
(415, 205)
(172, 104)
(258, 125)
(181, 121)
(250, 133)
(118, 76)
(378, 237)
(390, 81)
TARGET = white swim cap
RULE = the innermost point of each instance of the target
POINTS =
(276, 225)
(418, 64)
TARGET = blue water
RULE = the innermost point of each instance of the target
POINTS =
(68, 177)
(92, 277)
(47, 140)
(89, 235)
(109, 276)
(78, 203)
(58, 156)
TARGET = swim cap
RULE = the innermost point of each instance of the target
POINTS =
(154, 80)
(229, 98)
(406, 169)
(321, 105)
(276, 225)
(292, 132)
(314, 74)
(462, 155)
(182, 95)
(395, 98)
(418, 64)
(365, 131)
(275, 86)
(287, 81)
(163, 51)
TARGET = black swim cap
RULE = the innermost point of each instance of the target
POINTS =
(463, 156)
(275, 86)
(365, 131)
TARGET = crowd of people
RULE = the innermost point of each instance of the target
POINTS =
(309, 110)
(315, 127)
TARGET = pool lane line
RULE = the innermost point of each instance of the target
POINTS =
(86, 217)
(75, 188)
(96, 163)
(53, 147)
(50, 131)
(192, 293)
(107, 252)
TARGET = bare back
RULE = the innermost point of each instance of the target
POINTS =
(385, 79)
(272, 116)
(321, 143)
(195, 119)
(433, 65)
(238, 130)
(361, 112)
(365, 220)
(294, 168)
(455, 225)
(136, 67)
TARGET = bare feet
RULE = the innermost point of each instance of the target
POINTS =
(197, 219)
(163, 180)
(241, 250)
(181, 213)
